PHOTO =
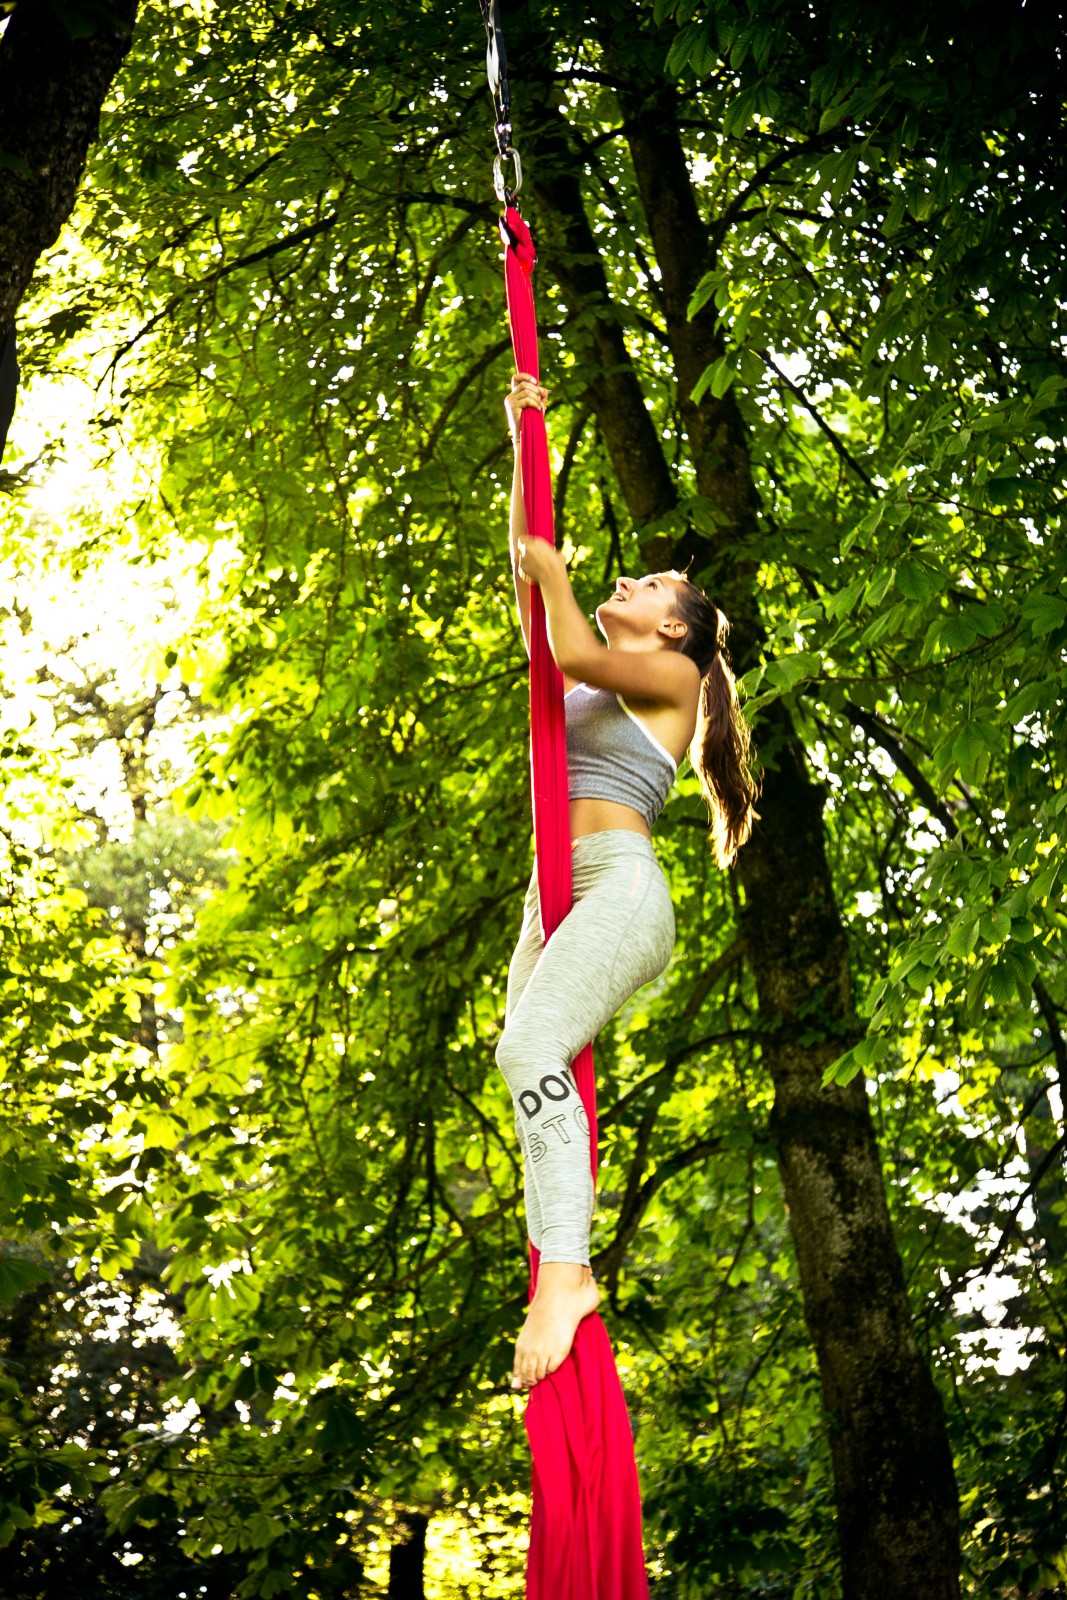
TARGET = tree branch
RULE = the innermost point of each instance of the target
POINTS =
(880, 734)
(287, 242)
(609, 1260)
(839, 445)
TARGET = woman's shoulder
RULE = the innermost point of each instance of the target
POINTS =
(655, 680)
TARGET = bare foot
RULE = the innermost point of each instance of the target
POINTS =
(566, 1292)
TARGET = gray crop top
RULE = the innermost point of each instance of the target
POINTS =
(611, 755)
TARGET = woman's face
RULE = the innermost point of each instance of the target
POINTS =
(640, 610)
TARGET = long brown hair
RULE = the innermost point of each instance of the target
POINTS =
(721, 750)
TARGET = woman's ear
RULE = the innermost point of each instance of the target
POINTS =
(673, 628)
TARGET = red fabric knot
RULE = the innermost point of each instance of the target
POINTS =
(515, 233)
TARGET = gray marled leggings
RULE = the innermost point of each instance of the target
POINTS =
(618, 935)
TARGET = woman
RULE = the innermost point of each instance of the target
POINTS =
(657, 686)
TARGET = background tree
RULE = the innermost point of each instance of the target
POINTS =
(57, 63)
(794, 334)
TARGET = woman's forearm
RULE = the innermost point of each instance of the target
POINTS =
(517, 524)
(517, 532)
(570, 637)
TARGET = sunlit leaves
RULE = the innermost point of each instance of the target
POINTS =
(298, 277)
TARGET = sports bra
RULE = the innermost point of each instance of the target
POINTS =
(611, 755)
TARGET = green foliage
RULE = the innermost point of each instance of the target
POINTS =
(295, 269)
(66, 1006)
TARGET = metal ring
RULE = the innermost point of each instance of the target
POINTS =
(500, 188)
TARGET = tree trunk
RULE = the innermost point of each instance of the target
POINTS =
(407, 1557)
(894, 1484)
(895, 1488)
(52, 87)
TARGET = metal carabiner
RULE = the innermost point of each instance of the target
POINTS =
(505, 195)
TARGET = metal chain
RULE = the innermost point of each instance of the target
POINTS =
(496, 66)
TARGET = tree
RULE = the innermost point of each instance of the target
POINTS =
(84, 1322)
(794, 336)
(92, 1359)
(57, 64)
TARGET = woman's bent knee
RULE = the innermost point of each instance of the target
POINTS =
(517, 1055)
(506, 1052)
(536, 1073)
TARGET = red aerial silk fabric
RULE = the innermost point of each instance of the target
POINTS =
(585, 1532)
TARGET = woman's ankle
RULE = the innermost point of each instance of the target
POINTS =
(563, 1270)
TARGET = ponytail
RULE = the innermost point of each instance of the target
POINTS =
(720, 751)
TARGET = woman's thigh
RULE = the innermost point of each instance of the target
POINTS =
(527, 951)
(618, 935)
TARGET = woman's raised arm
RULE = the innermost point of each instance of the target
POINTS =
(525, 391)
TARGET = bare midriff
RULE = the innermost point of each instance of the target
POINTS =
(596, 816)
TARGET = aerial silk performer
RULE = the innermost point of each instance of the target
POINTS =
(611, 719)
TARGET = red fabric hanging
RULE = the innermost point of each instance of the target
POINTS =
(585, 1531)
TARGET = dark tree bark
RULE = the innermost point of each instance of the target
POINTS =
(632, 444)
(52, 87)
(895, 1488)
(407, 1557)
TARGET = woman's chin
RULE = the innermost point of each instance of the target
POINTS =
(613, 618)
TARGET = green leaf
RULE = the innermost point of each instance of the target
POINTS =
(1011, 491)
(343, 1429)
(867, 525)
(703, 292)
(262, 1530)
(718, 377)
(970, 751)
(1041, 695)
(1044, 612)
(1002, 983)
(843, 602)
(977, 985)
(787, 671)
(904, 964)
(916, 580)
(879, 585)
(964, 935)
(16, 1276)
(868, 1053)
(702, 55)
(835, 113)
(1041, 886)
